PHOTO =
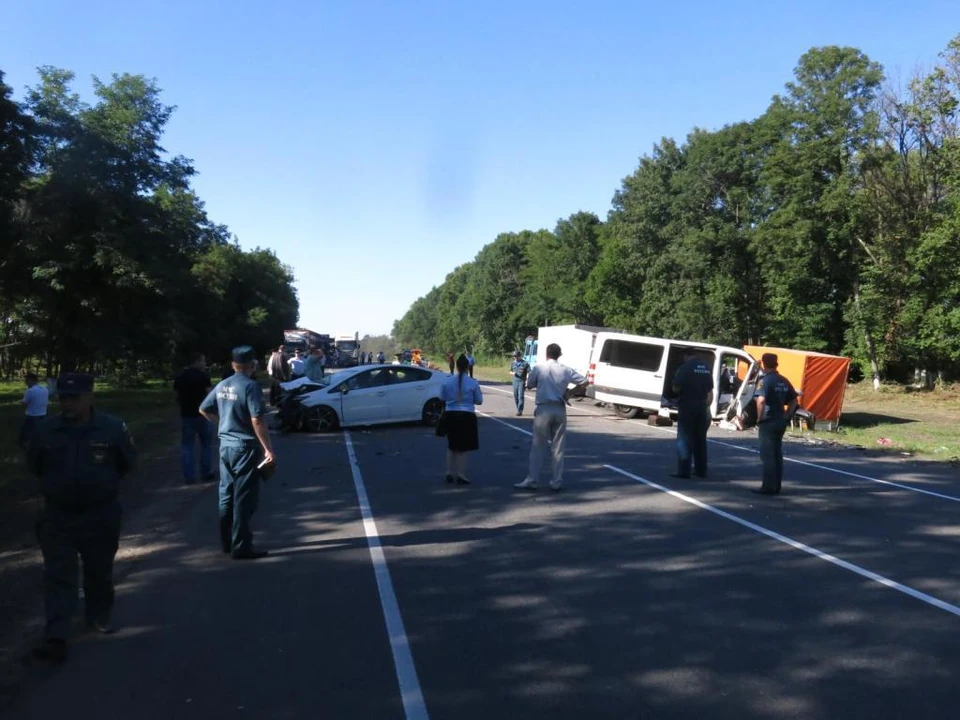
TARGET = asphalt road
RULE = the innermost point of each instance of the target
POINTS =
(628, 595)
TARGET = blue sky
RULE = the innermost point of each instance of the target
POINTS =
(375, 146)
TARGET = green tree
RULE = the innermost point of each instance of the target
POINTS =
(807, 247)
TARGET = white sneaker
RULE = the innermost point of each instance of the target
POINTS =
(527, 484)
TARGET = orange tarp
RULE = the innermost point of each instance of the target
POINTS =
(821, 378)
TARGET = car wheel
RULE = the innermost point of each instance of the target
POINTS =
(321, 419)
(625, 411)
(432, 411)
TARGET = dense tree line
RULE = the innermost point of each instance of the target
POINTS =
(109, 261)
(830, 223)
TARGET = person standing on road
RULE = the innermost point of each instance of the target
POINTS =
(245, 450)
(35, 400)
(519, 368)
(296, 366)
(470, 362)
(461, 394)
(279, 371)
(313, 366)
(774, 392)
(381, 358)
(192, 386)
(80, 455)
(550, 418)
(451, 361)
(693, 386)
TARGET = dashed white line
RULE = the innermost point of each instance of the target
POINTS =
(414, 707)
(863, 572)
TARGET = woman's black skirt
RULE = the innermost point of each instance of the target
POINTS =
(462, 433)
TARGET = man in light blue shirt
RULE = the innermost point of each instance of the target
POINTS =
(550, 418)
(35, 401)
(313, 366)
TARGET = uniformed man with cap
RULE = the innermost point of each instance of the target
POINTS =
(80, 455)
(774, 393)
(236, 404)
(519, 368)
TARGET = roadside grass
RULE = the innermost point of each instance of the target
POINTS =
(488, 371)
(898, 420)
(150, 412)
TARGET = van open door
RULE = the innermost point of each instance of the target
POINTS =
(738, 414)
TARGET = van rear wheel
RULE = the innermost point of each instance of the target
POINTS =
(625, 411)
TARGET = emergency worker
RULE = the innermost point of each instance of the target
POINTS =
(693, 386)
(80, 455)
(774, 393)
(236, 405)
(519, 368)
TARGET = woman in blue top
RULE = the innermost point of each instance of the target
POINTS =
(461, 393)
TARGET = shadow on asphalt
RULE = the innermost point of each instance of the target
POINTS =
(607, 600)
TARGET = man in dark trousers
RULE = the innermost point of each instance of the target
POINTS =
(245, 452)
(519, 368)
(774, 393)
(693, 386)
(80, 455)
(192, 386)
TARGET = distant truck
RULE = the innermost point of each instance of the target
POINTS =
(348, 347)
(302, 339)
(576, 344)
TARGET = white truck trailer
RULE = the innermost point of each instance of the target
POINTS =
(576, 345)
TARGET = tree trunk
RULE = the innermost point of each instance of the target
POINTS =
(871, 346)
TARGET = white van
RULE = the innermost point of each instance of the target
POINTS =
(634, 373)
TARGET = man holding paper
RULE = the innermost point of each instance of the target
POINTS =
(246, 456)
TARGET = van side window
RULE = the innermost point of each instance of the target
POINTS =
(633, 355)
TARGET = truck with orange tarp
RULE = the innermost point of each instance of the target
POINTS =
(819, 378)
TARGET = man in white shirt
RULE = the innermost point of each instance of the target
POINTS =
(550, 418)
(296, 366)
(35, 401)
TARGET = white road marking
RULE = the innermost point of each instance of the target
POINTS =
(817, 466)
(863, 572)
(797, 545)
(414, 706)
(512, 427)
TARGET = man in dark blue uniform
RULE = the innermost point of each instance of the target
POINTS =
(236, 403)
(693, 386)
(80, 455)
(774, 393)
(519, 368)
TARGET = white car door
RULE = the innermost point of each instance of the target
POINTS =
(365, 399)
(408, 391)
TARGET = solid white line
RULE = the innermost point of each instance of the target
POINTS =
(414, 706)
(826, 468)
(512, 427)
(863, 572)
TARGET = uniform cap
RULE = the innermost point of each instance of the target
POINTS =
(74, 384)
(243, 355)
(769, 360)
